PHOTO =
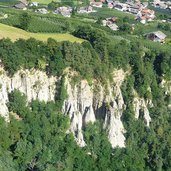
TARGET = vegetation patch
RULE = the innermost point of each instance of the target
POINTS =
(15, 34)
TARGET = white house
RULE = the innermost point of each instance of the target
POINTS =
(96, 4)
(34, 4)
(111, 23)
(86, 9)
(22, 5)
(120, 6)
(42, 10)
(157, 36)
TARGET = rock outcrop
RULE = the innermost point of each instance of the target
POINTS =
(141, 110)
(34, 84)
(84, 103)
(166, 85)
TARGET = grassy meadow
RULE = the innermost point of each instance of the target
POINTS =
(43, 1)
(15, 33)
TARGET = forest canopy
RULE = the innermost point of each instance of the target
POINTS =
(38, 141)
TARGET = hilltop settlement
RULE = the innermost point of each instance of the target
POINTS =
(142, 12)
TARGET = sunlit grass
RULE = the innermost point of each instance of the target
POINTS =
(43, 1)
(15, 33)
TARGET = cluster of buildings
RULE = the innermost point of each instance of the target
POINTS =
(140, 10)
(64, 11)
(137, 8)
(145, 15)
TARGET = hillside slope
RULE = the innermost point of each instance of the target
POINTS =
(15, 33)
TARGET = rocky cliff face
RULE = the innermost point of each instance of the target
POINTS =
(84, 104)
(166, 85)
(141, 110)
(34, 84)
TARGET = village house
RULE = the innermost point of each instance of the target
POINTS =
(64, 11)
(86, 9)
(42, 10)
(157, 36)
(142, 19)
(120, 6)
(96, 4)
(148, 13)
(34, 4)
(22, 5)
(110, 3)
(169, 20)
(113, 27)
(161, 4)
(111, 23)
(145, 4)
(134, 9)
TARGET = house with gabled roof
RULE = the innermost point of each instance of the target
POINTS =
(42, 10)
(120, 6)
(96, 4)
(111, 23)
(25, 2)
(85, 9)
(22, 5)
(110, 3)
(156, 36)
(34, 4)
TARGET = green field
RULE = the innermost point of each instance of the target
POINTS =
(15, 33)
(15, 1)
(43, 1)
(106, 12)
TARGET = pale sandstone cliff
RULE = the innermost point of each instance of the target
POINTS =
(84, 104)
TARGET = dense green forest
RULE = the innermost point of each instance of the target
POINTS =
(38, 140)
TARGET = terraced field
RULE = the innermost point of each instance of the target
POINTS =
(15, 33)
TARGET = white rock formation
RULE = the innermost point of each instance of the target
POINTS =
(167, 87)
(141, 110)
(34, 84)
(85, 104)
(78, 106)
(113, 122)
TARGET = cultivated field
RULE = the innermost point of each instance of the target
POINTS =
(15, 33)
(43, 1)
